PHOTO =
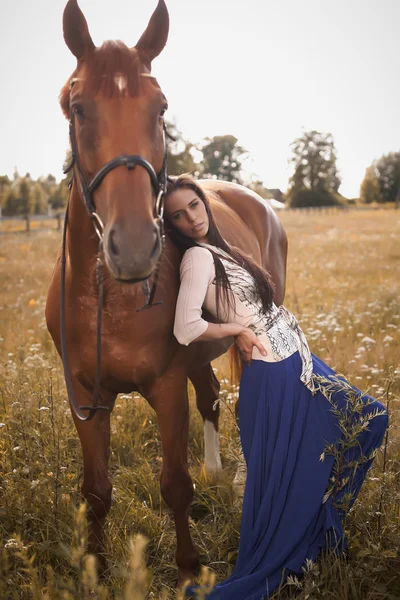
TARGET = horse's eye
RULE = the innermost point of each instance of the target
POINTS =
(163, 110)
(78, 110)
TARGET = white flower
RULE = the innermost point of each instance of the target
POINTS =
(388, 338)
(44, 408)
(12, 543)
(368, 340)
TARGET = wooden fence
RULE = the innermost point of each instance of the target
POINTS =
(30, 223)
(39, 222)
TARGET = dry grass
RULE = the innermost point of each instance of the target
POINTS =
(344, 273)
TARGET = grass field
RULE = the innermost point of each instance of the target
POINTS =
(343, 285)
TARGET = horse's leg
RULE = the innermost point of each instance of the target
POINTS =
(96, 487)
(168, 396)
(207, 388)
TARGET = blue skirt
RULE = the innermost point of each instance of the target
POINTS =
(286, 515)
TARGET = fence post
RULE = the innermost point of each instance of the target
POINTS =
(58, 222)
(28, 223)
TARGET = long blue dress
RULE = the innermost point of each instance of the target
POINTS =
(287, 516)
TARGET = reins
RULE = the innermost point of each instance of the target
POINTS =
(159, 183)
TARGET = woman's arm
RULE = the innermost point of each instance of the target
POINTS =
(245, 338)
(196, 273)
(216, 331)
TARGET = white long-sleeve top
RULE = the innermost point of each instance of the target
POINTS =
(277, 330)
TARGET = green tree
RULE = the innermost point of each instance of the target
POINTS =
(11, 204)
(181, 153)
(370, 189)
(223, 158)
(257, 186)
(388, 173)
(5, 187)
(315, 180)
(39, 199)
(24, 195)
(59, 195)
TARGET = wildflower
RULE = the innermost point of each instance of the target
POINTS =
(2, 425)
(34, 483)
(32, 302)
(44, 408)
(13, 544)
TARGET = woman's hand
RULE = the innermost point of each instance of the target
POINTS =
(245, 342)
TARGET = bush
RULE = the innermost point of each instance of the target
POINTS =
(304, 198)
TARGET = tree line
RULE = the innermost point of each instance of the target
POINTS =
(23, 195)
(315, 180)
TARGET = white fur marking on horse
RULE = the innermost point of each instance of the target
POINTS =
(120, 82)
(212, 459)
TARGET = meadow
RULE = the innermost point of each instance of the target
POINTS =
(344, 287)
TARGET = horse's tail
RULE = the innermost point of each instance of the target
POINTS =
(236, 364)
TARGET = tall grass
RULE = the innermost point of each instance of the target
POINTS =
(344, 273)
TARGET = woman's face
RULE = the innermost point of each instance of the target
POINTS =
(187, 213)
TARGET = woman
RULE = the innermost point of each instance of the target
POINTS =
(290, 405)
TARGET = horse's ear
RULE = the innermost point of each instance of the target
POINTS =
(155, 37)
(76, 31)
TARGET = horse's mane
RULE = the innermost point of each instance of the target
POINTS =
(101, 67)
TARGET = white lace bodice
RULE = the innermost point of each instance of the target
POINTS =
(278, 330)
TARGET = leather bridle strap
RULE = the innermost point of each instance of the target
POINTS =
(94, 407)
(130, 161)
(159, 184)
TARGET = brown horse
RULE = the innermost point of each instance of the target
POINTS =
(116, 108)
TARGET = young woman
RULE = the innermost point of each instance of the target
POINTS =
(292, 508)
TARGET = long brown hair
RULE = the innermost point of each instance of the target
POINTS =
(261, 277)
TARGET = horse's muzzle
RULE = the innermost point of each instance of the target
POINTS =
(131, 256)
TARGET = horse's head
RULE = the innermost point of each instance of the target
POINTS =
(116, 109)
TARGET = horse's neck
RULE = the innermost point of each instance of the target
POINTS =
(82, 242)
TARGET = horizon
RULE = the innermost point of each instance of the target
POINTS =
(334, 69)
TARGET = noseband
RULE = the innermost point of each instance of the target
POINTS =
(159, 184)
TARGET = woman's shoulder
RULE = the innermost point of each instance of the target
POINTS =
(197, 259)
(198, 253)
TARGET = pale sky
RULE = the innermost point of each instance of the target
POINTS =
(262, 70)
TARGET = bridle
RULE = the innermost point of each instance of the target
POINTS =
(159, 185)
